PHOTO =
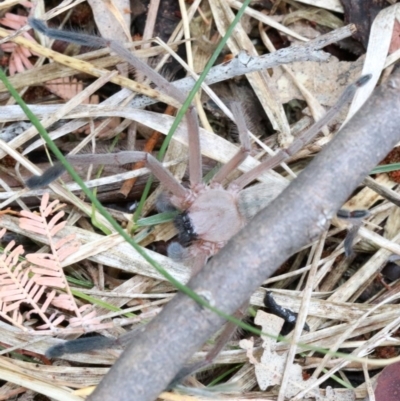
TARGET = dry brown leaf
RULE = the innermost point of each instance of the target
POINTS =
(326, 81)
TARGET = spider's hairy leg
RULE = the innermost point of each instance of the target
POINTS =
(304, 139)
(223, 339)
(195, 162)
(355, 218)
(198, 263)
(97, 41)
(352, 214)
(177, 252)
(80, 345)
(87, 344)
(245, 146)
(195, 159)
(163, 175)
(286, 314)
(163, 204)
(66, 36)
(50, 175)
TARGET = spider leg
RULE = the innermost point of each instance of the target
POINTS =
(244, 146)
(87, 344)
(304, 139)
(195, 159)
(355, 218)
(227, 333)
(195, 163)
(117, 47)
(163, 175)
(223, 339)
(198, 263)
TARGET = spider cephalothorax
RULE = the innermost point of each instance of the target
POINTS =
(210, 219)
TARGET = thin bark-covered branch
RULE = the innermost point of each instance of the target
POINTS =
(243, 63)
(307, 51)
(297, 217)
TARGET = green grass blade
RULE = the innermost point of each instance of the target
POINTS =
(386, 168)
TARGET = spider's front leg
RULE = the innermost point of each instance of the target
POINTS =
(304, 139)
(225, 336)
(355, 218)
(156, 168)
(244, 149)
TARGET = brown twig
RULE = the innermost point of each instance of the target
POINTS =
(293, 220)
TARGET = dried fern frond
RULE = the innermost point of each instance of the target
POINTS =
(18, 285)
(66, 88)
(19, 59)
(46, 268)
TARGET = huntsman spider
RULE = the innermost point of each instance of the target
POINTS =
(210, 214)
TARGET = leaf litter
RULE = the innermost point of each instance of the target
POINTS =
(336, 300)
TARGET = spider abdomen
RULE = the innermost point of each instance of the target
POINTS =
(215, 216)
